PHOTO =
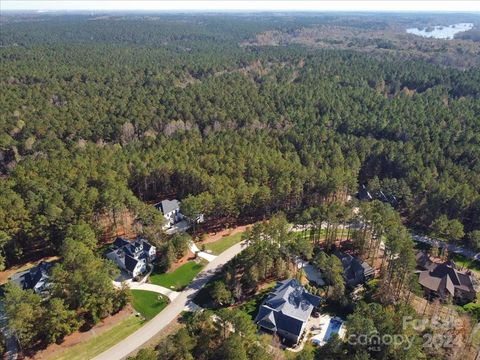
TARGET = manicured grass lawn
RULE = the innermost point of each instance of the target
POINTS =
(251, 306)
(102, 342)
(341, 233)
(224, 243)
(179, 278)
(148, 303)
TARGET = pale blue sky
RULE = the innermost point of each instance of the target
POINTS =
(313, 5)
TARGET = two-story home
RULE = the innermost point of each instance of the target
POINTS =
(443, 281)
(286, 310)
(132, 256)
(355, 271)
(171, 212)
(36, 278)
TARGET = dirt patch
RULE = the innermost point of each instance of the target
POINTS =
(215, 236)
(186, 258)
(79, 337)
(118, 224)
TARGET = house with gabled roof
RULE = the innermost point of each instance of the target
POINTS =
(355, 271)
(171, 212)
(36, 278)
(444, 281)
(286, 310)
(132, 256)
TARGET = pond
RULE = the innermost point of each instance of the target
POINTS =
(441, 32)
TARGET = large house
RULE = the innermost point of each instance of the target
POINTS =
(286, 310)
(171, 212)
(444, 281)
(35, 278)
(132, 256)
(355, 271)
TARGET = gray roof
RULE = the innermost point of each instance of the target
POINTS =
(166, 206)
(130, 252)
(120, 242)
(287, 307)
(355, 270)
(424, 262)
(130, 263)
(34, 277)
(444, 277)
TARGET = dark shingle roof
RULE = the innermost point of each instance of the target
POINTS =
(354, 270)
(30, 278)
(287, 307)
(443, 277)
(120, 242)
(130, 263)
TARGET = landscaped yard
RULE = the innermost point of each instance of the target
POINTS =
(148, 303)
(179, 278)
(341, 233)
(102, 342)
(251, 306)
(224, 243)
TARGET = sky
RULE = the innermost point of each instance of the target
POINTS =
(245, 5)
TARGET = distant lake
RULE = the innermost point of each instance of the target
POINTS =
(441, 32)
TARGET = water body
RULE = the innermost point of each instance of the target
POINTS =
(441, 32)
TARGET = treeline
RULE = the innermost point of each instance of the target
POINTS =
(80, 294)
(89, 128)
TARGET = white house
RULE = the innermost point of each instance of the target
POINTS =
(171, 212)
(133, 257)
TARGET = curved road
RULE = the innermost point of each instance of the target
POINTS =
(159, 322)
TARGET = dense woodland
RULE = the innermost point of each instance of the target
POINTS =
(99, 115)
(102, 114)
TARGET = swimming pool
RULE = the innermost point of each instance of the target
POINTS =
(329, 327)
(333, 328)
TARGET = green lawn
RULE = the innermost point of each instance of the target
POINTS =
(179, 278)
(251, 306)
(148, 303)
(100, 343)
(341, 233)
(224, 243)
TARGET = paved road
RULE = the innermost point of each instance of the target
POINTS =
(452, 248)
(159, 322)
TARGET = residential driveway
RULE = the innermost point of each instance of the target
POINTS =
(133, 285)
(204, 255)
(181, 226)
(159, 322)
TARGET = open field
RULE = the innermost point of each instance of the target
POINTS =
(148, 303)
(179, 278)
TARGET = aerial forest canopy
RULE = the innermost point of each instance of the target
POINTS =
(102, 114)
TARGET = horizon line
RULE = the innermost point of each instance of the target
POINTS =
(434, 6)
